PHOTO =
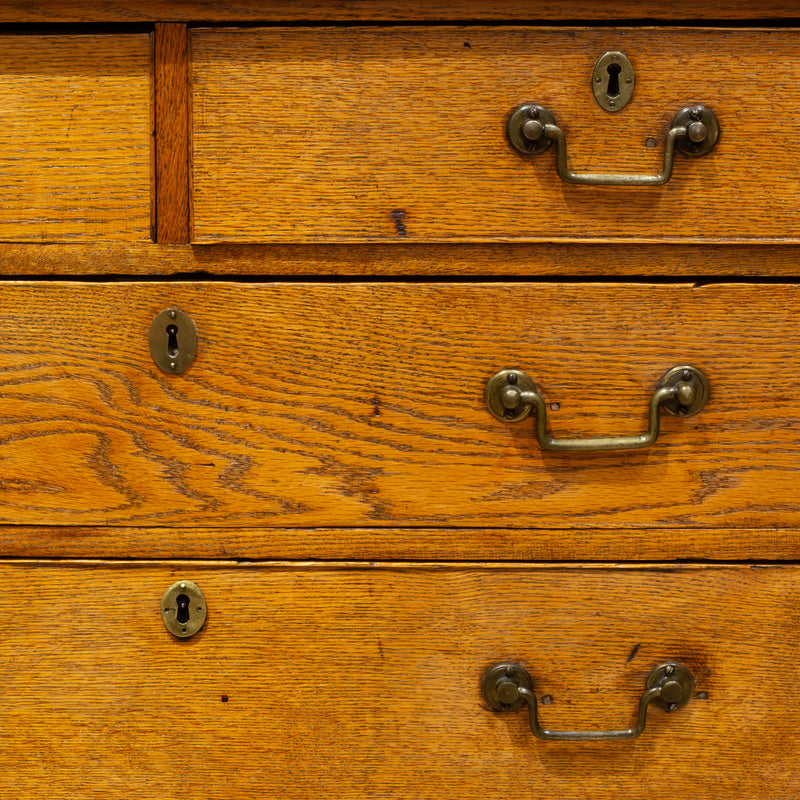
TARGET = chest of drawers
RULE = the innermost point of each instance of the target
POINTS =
(410, 581)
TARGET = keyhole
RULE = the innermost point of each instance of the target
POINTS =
(183, 609)
(172, 342)
(613, 80)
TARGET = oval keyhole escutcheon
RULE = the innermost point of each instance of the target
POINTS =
(613, 81)
(173, 340)
(183, 609)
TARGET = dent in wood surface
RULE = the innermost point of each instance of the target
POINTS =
(275, 423)
(282, 153)
(75, 138)
(352, 682)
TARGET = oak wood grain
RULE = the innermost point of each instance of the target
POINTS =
(416, 149)
(171, 49)
(595, 260)
(75, 138)
(381, 10)
(361, 681)
(362, 404)
(513, 543)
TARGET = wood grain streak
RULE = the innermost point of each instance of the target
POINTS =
(416, 149)
(382, 10)
(391, 259)
(75, 138)
(362, 404)
(360, 682)
(172, 132)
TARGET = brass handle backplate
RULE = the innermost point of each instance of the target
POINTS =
(694, 131)
(511, 396)
(508, 687)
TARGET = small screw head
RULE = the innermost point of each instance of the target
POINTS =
(611, 103)
(172, 313)
(172, 365)
(629, 81)
(669, 669)
(672, 707)
(512, 377)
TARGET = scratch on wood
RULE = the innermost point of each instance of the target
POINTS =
(633, 653)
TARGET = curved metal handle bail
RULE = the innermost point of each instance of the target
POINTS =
(507, 687)
(694, 131)
(511, 396)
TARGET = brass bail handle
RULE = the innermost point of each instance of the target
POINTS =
(511, 396)
(694, 131)
(508, 687)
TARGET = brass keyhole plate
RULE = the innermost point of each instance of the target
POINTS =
(613, 81)
(183, 609)
(173, 340)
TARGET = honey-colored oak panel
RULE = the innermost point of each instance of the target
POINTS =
(359, 681)
(415, 149)
(596, 260)
(362, 404)
(414, 544)
(75, 138)
(423, 10)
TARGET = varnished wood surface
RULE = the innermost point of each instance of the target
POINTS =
(353, 682)
(171, 97)
(476, 260)
(422, 10)
(362, 404)
(75, 138)
(513, 543)
(416, 149)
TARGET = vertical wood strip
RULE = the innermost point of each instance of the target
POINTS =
(172, 132)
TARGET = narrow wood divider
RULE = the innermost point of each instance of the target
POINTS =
(171, 68)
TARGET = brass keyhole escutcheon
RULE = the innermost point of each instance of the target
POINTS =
(173, 340)
(613, 81)
(183, 609)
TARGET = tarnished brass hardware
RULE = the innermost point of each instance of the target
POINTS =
(173, 340)
(694, 131)
(183, 609)
(511, 396)
(508, 687)
(613, 81)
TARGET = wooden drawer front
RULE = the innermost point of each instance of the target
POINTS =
(356, 681)
(362, 404)
(75, 138)
(398, 134)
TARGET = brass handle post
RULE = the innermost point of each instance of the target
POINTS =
(694, 131)
(508, 687)
(511, 396)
